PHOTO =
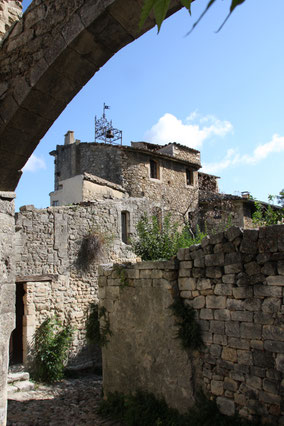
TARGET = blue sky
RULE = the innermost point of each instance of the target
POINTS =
(221, 93)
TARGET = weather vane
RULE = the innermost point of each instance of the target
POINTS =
(104, 130)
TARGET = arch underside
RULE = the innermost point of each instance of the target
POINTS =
(47, 58)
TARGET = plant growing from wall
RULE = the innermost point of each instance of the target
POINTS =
(51, 344)
(189, 330)
(155, 242)
(96, 333)
(121, 272)
(267, 214)
(92, 248)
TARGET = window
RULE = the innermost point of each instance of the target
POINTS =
(125, 227)
(55, 203)
(189, 177)
(154, 170)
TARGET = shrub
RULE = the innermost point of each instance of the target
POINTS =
(155, 242)
(50, 350)
(267, 214)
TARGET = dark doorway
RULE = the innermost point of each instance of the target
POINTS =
(16, 340)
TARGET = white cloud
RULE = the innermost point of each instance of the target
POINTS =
(233, 157)
(34, 164)
(170, 129)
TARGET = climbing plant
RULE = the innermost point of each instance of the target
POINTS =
(96, 333)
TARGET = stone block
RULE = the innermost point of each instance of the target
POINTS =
(242, 316)
(233, 232)
(244, 357)
(271, 386)
(213, 272)
(217, 387)
(256, 344)
(280, 267)
(230, 384)
(206, 314)
(250, 331)
(262, 290)
(263, 359)
(248, 246)
(215, 302)
(186, 294)
(269, 398)
(252, 305)
(271, 304)
(187, 284)
(238, 343)
(198, 302)
(216, 259)
(242, 292)
(203, 284)
(263, 318)
(199, 262)
(228, 279)
(232, 258)
(275, 280)
(273, 332)
(181, 253)
(215, 350)
(220, 339)
(269, 268)
(252, 268)
(233, 269)
(235, 305)
(223, 290)
(232, 329)
(217, 327)
(280, 363)
(229, 354)
(222, 314)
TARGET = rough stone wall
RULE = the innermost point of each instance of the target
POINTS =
(170, 189)
(143, 351)
(7, 291)
(48, 244)
(10, 12)
(207, 182)
(234, 281)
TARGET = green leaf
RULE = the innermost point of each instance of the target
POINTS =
(211, 2)
(146, 9)
(234, 4)
(187, 4)
(160, 10)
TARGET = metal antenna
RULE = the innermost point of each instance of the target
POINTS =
(104, 130)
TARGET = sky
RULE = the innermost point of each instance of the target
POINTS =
(219, 92)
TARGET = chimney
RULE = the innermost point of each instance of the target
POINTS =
(245, 194)
(69, 138)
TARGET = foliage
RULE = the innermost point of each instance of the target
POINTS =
(267, 214)
(92, 248)
(144, 409)
(189, 330)
(50, 350)
(96, 333)
(161, 7)
(121, 272)
(280, 198)
(155, 242)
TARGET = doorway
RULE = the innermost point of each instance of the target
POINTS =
(16, 339)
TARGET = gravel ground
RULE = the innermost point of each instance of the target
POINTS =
(69, 402)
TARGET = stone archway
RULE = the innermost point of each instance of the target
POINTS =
(45, 59)
(48, 56)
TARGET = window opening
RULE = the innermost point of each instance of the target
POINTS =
(125, 227)
(189, 177)
(154, 170)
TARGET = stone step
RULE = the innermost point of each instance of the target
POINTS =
(18, 377)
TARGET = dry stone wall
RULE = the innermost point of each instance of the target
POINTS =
(234, 281)
(50, 261)
(10, 12)
(7, 291)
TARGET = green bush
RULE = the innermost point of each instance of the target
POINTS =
(266, 215)
(155, 242)
(51, 344)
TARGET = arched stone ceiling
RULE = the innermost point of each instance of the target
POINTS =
(47, 57)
